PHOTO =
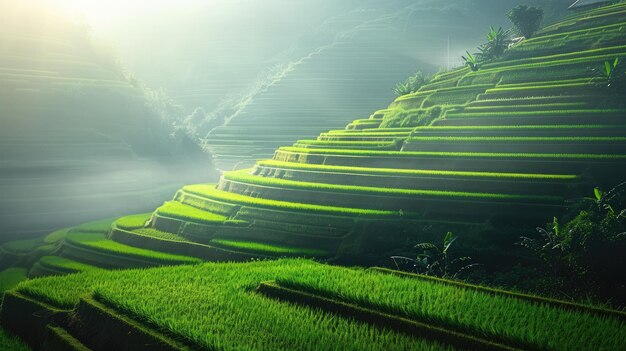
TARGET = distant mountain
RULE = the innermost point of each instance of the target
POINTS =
(77, 140)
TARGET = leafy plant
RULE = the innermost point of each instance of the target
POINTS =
(411, 84)
(587, 253)
(498, 42)
(471, 61)
(526, 20)
(615, 74)
(437, 261)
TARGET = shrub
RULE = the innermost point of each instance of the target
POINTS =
(587, 253)
(411, 84)
(436, 261)
(526, 19)
(471, 61)
(498, 42)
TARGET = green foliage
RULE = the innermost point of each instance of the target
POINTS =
(268, 249)
(497, 317)
(527, 20)
(24, 246)
(56, 236)
(587, 253)
(64, 264)
(517, 139)
(9, 342)
(471, 61)
(436, 261)
(209, 191)
(411, 172)
(100, 226)
(133, 221)
(409, 154)
(214, 306)
(158, 234)
(244, 177)
(178, 210)
(10, 277)
(411, 84)
(498, 42)
(615, 75)
(98, 242)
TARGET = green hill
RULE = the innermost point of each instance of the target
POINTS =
(344, 68)
(508, 145)
(498, 150)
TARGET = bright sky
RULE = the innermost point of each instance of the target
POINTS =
(102, 14)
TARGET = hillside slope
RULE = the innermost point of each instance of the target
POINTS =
(345, 68)
(509, 145)
(77, 140)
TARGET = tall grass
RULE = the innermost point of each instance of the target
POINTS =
(498, 317)
(64, 264)
(10, 277)
(11, 343)
(209, 191)
(409, 154)
(98, 242)
(178, 210)
(213, 306)
(244, 177)
(515, 139)
(269, 249)
(133, 221)
(410, 172)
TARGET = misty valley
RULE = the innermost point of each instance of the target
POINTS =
(313, 175)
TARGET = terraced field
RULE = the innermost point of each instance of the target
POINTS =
(513, 141)
(510, 143)
(296, 305)
(363, 54)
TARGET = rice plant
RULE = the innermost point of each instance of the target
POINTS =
(100, 243)
(213, 306)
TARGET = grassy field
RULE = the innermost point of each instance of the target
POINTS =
(99, 243)
(209, 191)
(502, 318)
(158, 234)
(178, 210)
(133, 221)
(409, 154)
(10, 343)
(10, 277)
(64, 264)
(229, 315)
(245, 177)
(268, 249)
(411, 172)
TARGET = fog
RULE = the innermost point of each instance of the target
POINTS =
(105, 103)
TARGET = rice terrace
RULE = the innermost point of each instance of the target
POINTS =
(313, 175)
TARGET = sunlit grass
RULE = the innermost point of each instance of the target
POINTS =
(214, 306)
(245, 177)
(265, 248)
(178, 210)
(499, 317)
(133, 221)
(209, 191)
(410, 172)
(100, 243)
(409, 154)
